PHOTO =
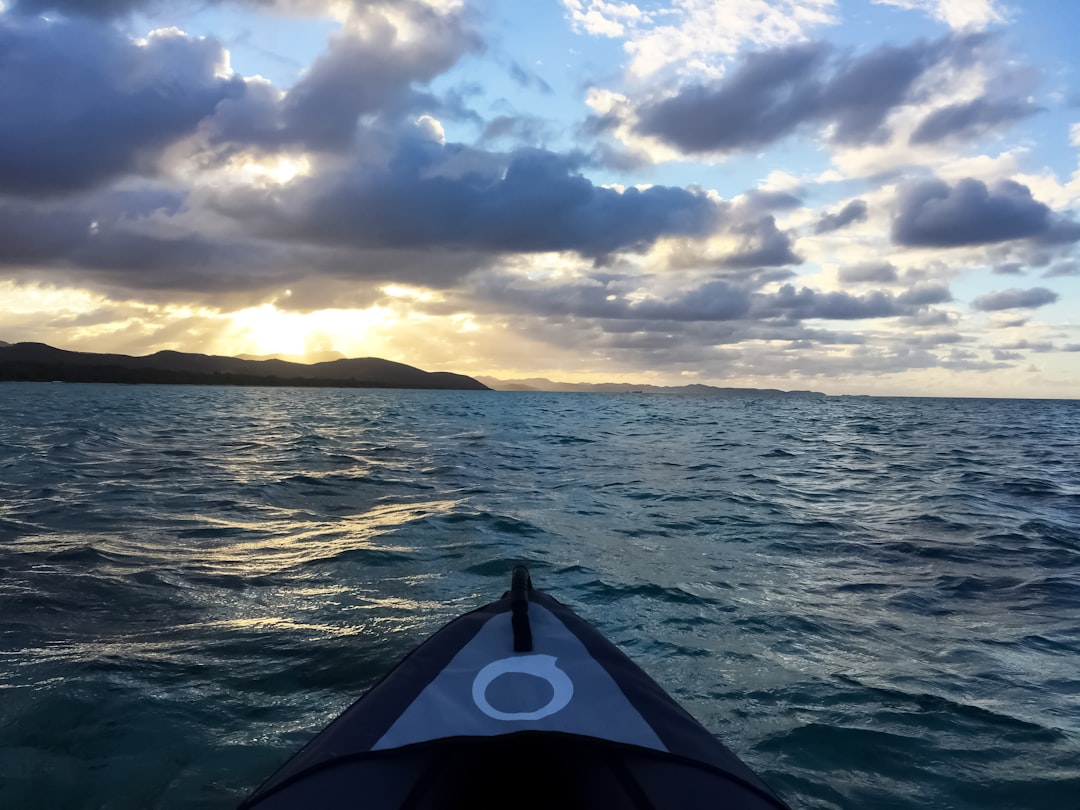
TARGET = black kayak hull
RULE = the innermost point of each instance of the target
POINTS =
(467, 720)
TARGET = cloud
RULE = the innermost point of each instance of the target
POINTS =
(694, 36)
(934, 214)
(1065, 268)
(762, 245)
(922, 295)
(881, 272)
(115, 103)
(164, 247)
(521, 129)
(110, 9)
(771, 94)
(854, 211)
(113, 106)
(602, 19)
(1001, 354)
(1014, 299)
(629, 300)
(759, 200)
(529, 79)
(1040, 346)
(971, 118)
(774, 93)
(713, 301)
(807, 303)
(119, 239)
(369, 70)
(80, 8)
(957, 14)
(529, 201)
(933, 339)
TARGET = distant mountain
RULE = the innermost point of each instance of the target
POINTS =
(38, 362)
(542, 384)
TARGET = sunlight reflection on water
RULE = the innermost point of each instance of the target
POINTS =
(871, 600)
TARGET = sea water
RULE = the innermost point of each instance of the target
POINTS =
(874, 602)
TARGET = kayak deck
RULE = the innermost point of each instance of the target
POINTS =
(519, 703)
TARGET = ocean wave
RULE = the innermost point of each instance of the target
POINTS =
(872, 600)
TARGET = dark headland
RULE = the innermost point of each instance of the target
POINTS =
(36, 362)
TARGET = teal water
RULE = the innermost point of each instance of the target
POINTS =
(875, 602)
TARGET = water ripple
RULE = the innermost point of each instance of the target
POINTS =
(874, 601)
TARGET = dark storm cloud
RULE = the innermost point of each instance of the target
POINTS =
(854, 211)
(359, 75)
(521, 129)
(105, 237)
(757, 201)
(703, 344)
(533, 201)
(934, 214)
(763, 245)
(1061, 232)
(107, 9)
(149, 242)
(46, 232)
(775, 315)
(771, 94)
(370, 72)
(81, 104)
(863, 91)
(806, 303)
(1015, 299)
(1069, 267)
(775, 92)
(712, 301)
(922, 295)
(81, 8)
(971, 118)
(881, 272)
(926, 318)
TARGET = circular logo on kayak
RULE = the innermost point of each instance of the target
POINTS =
(538, 666)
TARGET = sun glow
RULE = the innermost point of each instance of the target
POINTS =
(406, 292)
(277, 170)
(307, 336)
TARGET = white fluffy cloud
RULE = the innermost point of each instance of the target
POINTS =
(959, 15)
(696, 37)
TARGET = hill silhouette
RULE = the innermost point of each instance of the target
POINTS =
(38, 362)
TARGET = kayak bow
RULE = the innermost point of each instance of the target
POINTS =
(520, 703)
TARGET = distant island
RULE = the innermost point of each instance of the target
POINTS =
(542, 384)
(37, 362)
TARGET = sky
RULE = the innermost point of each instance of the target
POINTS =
(848, 196)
